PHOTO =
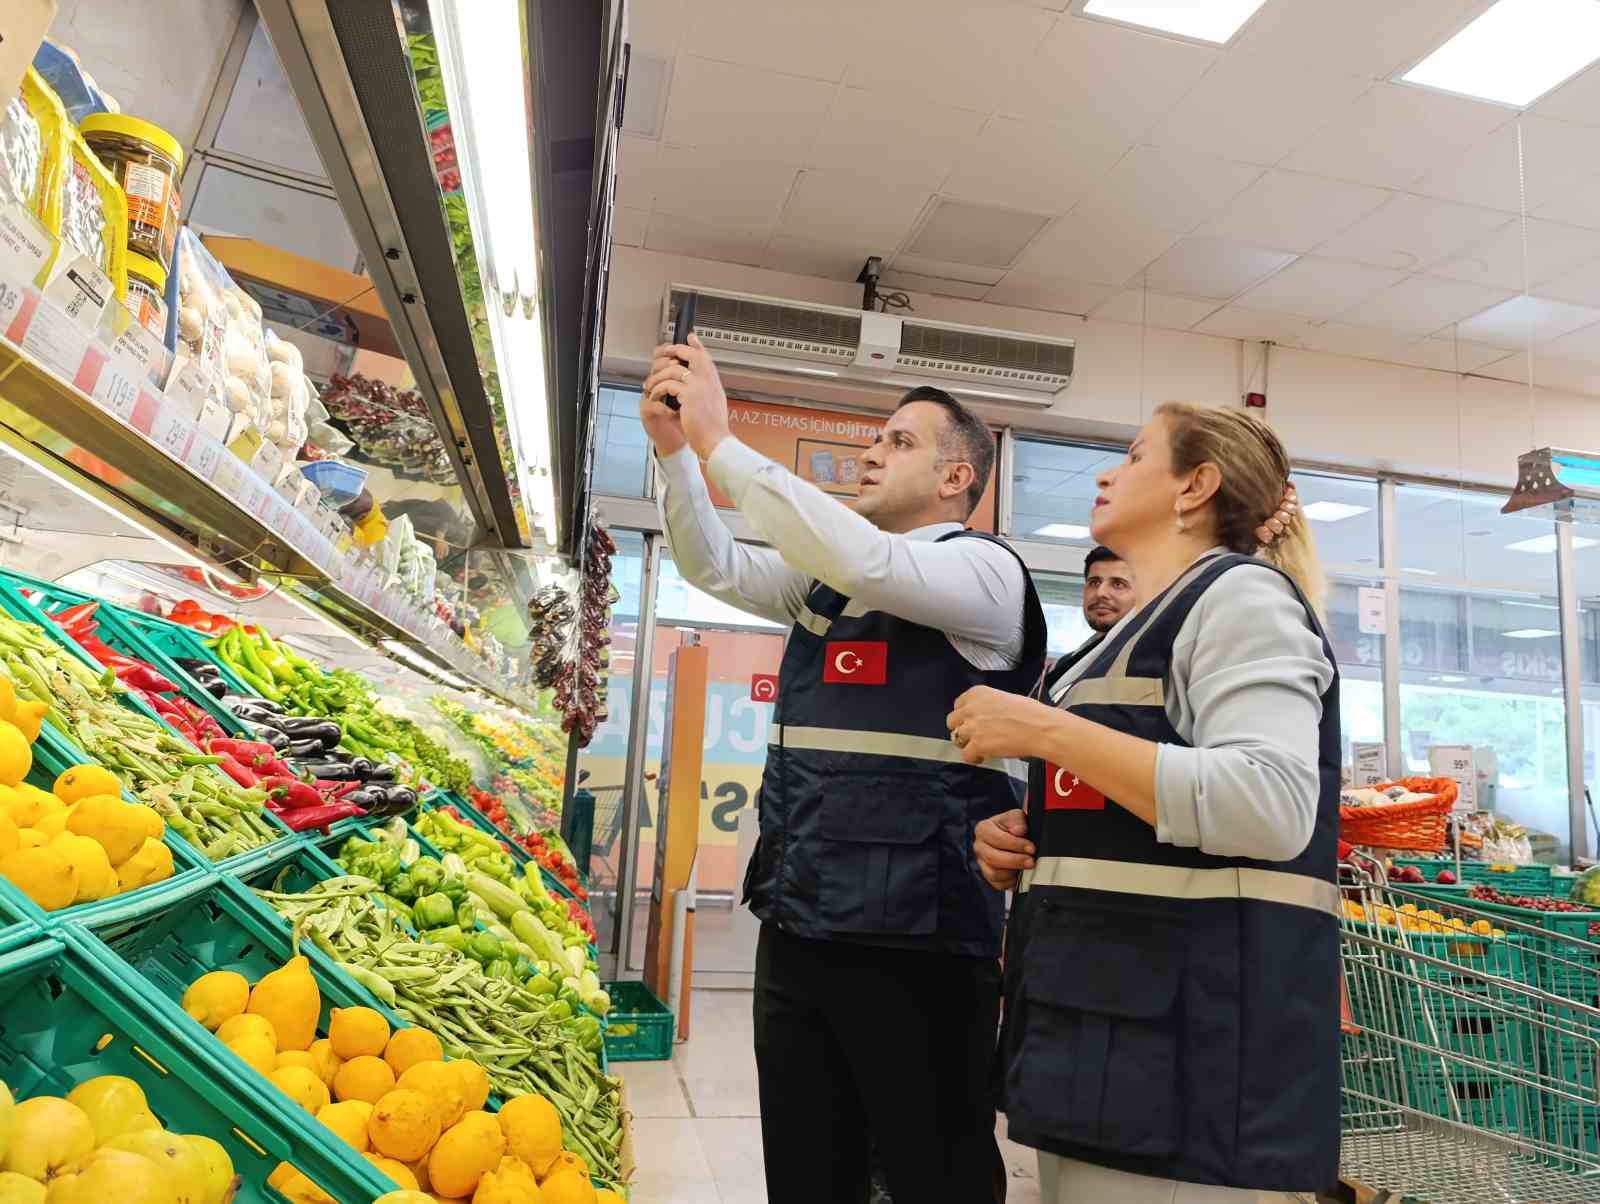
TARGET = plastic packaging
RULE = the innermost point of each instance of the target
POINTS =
(214, 321)
(289, 395)
(147, 162)
(80, 96)
(31, 128)
(88, 212)
(147, 294)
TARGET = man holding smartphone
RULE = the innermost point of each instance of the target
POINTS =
(877, 980)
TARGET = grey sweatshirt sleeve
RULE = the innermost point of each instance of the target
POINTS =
(1248, 674)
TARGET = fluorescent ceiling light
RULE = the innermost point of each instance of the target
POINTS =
(1063, 531)
(1546, 544)
(1420, 572)
(1531, 633)
(1207, 20)
(1515, 52)
(1331, 512)
(1448, 679)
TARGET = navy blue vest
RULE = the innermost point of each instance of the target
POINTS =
(866, 808)
(1168, 1012)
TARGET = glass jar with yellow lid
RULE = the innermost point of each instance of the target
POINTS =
(147, 293)
(146, 161)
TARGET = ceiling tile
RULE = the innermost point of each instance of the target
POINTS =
(704, 240)
(1320, 288)
(1366, 37)
(1171, 188)
(1103, 246)
(1053, 293)
(656, 27)
(1575, 374)
(1241, 322)
(944, 51)
(813, 39)
(980, 235)
(1257, 108)
(1581, 286)
(831, 261)
(878, 132)
(1293, 212)
(1554, 251)
(629, 225)
(694, 184)
(1506, 325)
(944, 269)
(1411, 232)
(839, 207)
(943, 286)
(1448, 354)
(1035, 165)
(1583, 344)
(1424, 304)
(1395, 133)
(636, 171)
(1576, 100)
(1578, 206)
(750, 114)
(645, 103)
(1106, 75)
(1554, 156)
(1138, 307)
(1363, 342)
(1213, 267)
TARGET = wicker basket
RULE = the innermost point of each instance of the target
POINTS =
(1419, 825)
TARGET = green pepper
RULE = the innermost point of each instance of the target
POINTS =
(455, 889)
(466, 914)
(589, 1035)
(401, 886)
(540, 985)
(428, 874)
(559, 1010)
(451, 936)
(484, 947)
(433, 911)
(501, 968)
(398, 907)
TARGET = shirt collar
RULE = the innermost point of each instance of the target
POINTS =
(934, 530)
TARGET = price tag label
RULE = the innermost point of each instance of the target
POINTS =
(16, 310)
(116, 387)
(171, 432)
(205, 454)
(189, 386)
(143, 348)
(1457, 762)
(289, 486)
(1374, 610)
(308, 506)
(1368, 764)
(25, 245)
(267, 461)
(245, 443)
(228, 476)
(214, 419)
(56, 341)
(82, 291)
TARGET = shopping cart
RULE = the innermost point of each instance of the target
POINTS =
(1471, 1047)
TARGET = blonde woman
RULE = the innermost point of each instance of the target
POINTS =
(1171, 981)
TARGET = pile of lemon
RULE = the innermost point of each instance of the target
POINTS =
(390, 1096)
(78, 841)
(101, 1143)
(1410, 919)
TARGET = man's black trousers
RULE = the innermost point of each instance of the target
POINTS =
(857, 1044)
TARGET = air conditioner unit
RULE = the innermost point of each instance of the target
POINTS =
(769, 334)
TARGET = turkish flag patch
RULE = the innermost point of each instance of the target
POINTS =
(864, 663)
(1065, 791)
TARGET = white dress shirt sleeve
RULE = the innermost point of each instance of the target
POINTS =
(970, 589)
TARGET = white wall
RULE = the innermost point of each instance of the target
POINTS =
(1329, 408)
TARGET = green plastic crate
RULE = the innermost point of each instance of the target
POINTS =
(639, 1027)
(53, 754)
(66, 1017)
(180, 642)
(16, 926)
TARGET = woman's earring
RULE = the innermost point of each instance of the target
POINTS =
(1182, 526)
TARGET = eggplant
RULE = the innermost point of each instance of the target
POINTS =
(253, 714)
(244, 700)
(215, 687)
(362, 766)
(382, 773)
(325, 731)
(301, 749)
(270, 735)
(327, 771)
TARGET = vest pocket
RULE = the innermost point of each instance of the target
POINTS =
(1098, 1062)
(879, 870)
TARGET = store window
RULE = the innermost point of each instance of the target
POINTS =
(621, 449)
(1481, 660)
(1053, 489)
(1344, 518)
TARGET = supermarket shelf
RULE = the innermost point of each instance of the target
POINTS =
(169, 475)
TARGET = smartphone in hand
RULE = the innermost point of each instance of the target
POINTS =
(682, 327)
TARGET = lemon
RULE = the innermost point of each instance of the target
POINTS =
(464, 1153)
(81, 781)
(230, 1030)
(16, 758)
(402, 1176)
(441, 1085)
(349, 1119)
(357, 1032)
(404, 1125)
(96, 878)
(10, 842)
(215, 998)
(302, 1086)
(114, 1105)
(30, 719)
(407, 1047)
(256, 1051)
(43, 874)
(367, 1078)
(568, 1187)
(327, 1062)
(533, 1131)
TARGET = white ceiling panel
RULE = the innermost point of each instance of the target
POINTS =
(831, 261)
(1422, 304)
(1576, 100)
(1581, 344)
(1553, 250)
(1367, 37)
(694, 184)
(1224, 113)
(702, 239)
(1293, 212)
(1103, 246)
(1171, 188)
(228, 202)
(879, 132)
(1554, 156)
(649, 85)
(1139, 307)
(960, 232)
(1039, 167)
(1581, 286)
(1213, 267)
(629, 225)
(1320, 288)
(1449, 354)
(943, 286)
(1411, 232)
(813, 39)
(636, 171)
(745, 113)
(1364, 342)
(951, 52)
(1394, 133)
(262, 120)
(839, 207)
(1104, 75)
(1579, 206)
(1507, 324)
(1053, 293)
(656, 26)
(944, 269)
(1241, 322)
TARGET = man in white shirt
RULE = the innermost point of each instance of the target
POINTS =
(876, 980)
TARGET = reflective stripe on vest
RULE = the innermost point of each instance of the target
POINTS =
(1112, 691)
(884, 744)
(812, 621)
(1175, 882)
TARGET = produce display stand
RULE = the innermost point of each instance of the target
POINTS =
(68, 1013)
(16, 926)
(639, 1028)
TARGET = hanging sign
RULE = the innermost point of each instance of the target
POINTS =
(1374, 609)
(1369, 765)
(1456, 761)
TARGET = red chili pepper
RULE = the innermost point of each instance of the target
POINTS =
(247, 752)
(293, 793)
(75, 616)
(319, 817)
(238, 773)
